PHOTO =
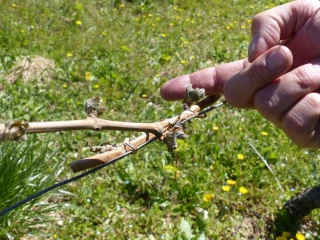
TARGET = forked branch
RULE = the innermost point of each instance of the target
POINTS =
(167, 130)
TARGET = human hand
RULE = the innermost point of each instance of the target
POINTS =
(280, 78)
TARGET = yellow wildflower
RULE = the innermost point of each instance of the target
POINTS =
(171, 24)
(264, 133)
(79, 22)
(243, 26)
(14, 5)
(54, 236)
(64, 85)
(281, 238)
(163, 35)
(227, 27)
(96, 86)
(208, 197)
(240, 156)
(185, 42)
(231, 182)
(149, 15)
(243, 190)
(69, 54)
(215, 128)
(183, 61)
(88, 75)
(286, 234)
(169, 168)
(22, 31)
(211, 167)
(251, 6)
(226, 188)
(157, 18)
(300, 236)
(104, 34)
(121, 5)
(249, 21)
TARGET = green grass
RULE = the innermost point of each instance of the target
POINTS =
(128, 51)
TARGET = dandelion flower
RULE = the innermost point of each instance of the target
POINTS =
(79, 22)
(215, 128)
(88, 75)
(300, 236)
(264, 133)
(69, 54)
(208, 197)
(231, 182)
(226, 188)
(228, 27)
(14, 5)
(243, 26)
(163, 35)
(183, 61)
(211, 167)
(243, 190)
(64, 85)
(240, 156)
(149, 15)
(104, 34)
(96, 86)
(171, 24)
(54, 236)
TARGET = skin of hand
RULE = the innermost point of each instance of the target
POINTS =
(280, 78)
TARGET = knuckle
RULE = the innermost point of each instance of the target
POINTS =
(292, 124)
(303, 78)
(313, 100)
(255, 75)
(264, 103)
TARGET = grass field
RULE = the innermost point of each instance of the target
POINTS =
(124, 53)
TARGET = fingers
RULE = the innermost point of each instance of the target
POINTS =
(275, 99)
(301, 122)
(279, 23)
(240, 89)
(211, 79)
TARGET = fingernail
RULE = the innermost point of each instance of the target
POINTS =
(252, 46)
(276, 60)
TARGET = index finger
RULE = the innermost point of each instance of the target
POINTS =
(211, 79)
